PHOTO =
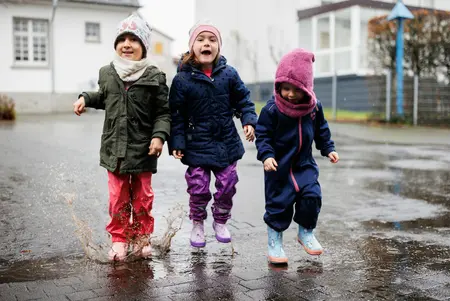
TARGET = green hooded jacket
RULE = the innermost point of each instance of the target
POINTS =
(132, 118)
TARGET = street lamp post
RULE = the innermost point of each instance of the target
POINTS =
(399, 13)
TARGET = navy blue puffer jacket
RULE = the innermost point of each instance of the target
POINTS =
(202, 110)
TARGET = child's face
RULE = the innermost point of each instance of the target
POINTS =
(129, 47)
(291, 93)
(206, 48)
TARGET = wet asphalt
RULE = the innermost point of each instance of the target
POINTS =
(385, 224)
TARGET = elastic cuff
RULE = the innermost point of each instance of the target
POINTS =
(161, 135)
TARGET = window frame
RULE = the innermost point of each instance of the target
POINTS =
(30, 34)
(94, 39)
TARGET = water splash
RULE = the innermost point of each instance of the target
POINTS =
(174, 222)
(98, 252)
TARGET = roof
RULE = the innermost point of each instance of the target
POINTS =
(127, 3)
(373, 4)
(162, 33)
(120, 3)
(155, 29)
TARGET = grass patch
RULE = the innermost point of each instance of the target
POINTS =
(344, 115)
(341, 115)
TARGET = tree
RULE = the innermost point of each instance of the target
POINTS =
(426, 43)
(250, 53)
(276, 52)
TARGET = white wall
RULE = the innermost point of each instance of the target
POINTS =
(254, 19)
(260, 23)
(164, 60)
(77, 62)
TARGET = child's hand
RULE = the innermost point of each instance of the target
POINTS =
(249, 132)
(334, 157)
(78, 106)
(177, 154)
(270, 164)
(156, 147)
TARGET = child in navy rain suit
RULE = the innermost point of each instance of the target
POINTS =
(205, 94)
(286, 128)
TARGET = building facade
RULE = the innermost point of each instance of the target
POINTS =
(51, 55)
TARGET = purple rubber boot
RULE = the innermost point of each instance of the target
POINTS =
(198, 235)
(222, 233)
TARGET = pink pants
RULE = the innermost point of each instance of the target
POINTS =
(130, 193)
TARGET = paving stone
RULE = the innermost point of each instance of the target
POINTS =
(250, 274)
(35, 294)
(159, 291)
(67, 281)
(439, 293)
(193, 286)
(7, 297)
(262, 294)
(54, 298)
(191, 296)
(104, 292)
(422, 284)
(81, 295)
(58, 290)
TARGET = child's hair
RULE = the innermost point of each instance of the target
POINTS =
(190, 58)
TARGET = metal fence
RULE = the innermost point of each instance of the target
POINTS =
(425, 101)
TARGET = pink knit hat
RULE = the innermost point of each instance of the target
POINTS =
(296, 68)
(200, 27)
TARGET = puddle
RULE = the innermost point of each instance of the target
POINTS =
(42, 269)
(419, 164)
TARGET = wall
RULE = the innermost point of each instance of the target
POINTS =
(77, 62)
(270, 24)
(163, 59)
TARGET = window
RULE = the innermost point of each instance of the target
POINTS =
(92, 32)
(427, 3)
(158, 48)
(323, 29)
(30, 41)
(324, 40)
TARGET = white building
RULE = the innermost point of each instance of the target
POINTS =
(257, 32)
(83, 36)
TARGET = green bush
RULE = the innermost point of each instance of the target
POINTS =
(7, 108)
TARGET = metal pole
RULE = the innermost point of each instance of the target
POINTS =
(52, 44)
(388, 95)
(416, 99)
(334, 96)
(399, 63)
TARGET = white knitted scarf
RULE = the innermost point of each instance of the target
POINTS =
(130, 71)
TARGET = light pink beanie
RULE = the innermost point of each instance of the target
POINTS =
(200, 27)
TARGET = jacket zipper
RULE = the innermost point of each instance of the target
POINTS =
(297, 189)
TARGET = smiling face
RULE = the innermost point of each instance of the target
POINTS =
(129, 47)
(292, 94)
(206, 49)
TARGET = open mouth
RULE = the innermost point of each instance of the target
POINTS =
(206, 52)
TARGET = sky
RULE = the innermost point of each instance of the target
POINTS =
(172, 17)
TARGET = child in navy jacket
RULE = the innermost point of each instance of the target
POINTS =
(286, 128)
(205, 95)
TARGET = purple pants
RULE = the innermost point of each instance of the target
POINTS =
(198, 180)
